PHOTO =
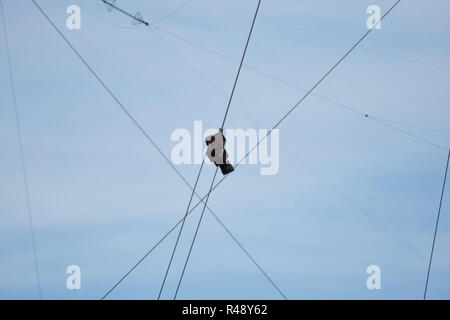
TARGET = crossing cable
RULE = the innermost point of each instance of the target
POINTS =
(180, 231)
(325, 36)
(433, 144)
(147, 136)
(423, 128)
(217, 168)
(299, 102)
(290, 111)
(359, 208)
(22, 155)
(195, 234)
(171, 13)
(380, 121)
(211, 83)
(278, 123)
(221, 129)
(139, 19)
(125, 13)
(437, 225)
(339, 192)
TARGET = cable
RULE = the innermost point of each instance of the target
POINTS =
(344, 106)
(323, 98)
(308, 167)
(437, 225)
(299, 102)
(126, 13)
(240, 65)
(195, 185)
(378, 120)
(355, 205)
(223, 179)
(433, 130)
(22, 156)
(330, 101)
(293, 108)
(195, 235)
(167, 160)
(438, 146)
(113, 24)
(144, 22)
(334, 67)
(221, 129)
(181, 230)
(171, 13)
(283, 118)
(318, 34)
(210, 82)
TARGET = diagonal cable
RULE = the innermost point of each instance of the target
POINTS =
(167, 16)
(209, 81)
(377, 120)
(325, 36)
(301, 100)
(437, 226)
(195, 235)
(166, 159)
(339, 192)
(295, 106)
(217, 168)
(180, 231)
(383, 122)
(22, 156)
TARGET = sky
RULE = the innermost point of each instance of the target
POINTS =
(350, 192)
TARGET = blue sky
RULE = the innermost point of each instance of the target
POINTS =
(101, 195)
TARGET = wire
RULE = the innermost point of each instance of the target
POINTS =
(131, 16)
(171, 13)
(210, 82)
(318, 34)
(299, 102)
(438, 146)
(195, 185)
(22, 156)
(181, 230)
(437, 225)
(355, 205)
(195, 235)
(172, 229)
(113, 24)
(194, 207)
(333, 67)
(221, 129)
(126, 13)
(294, 107)
(308, 167)
(167, 160)
(433, 130)
(330, 101)
(288, 83)
(240, 65)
